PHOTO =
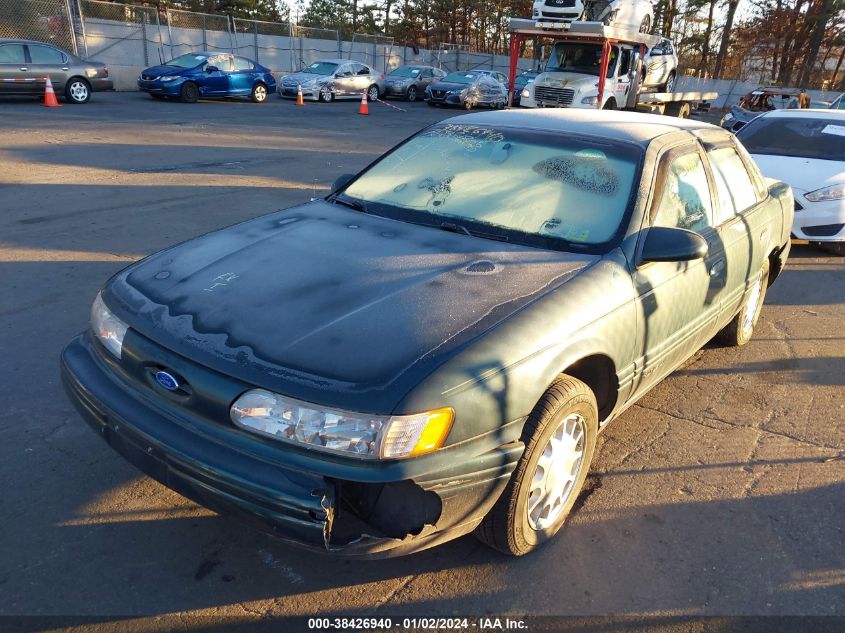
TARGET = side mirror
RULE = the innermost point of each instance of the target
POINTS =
(211, 69)
(663, 244)
(341, 182)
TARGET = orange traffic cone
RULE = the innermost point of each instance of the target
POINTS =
(299, 100)
(50, 100)
(364, 108)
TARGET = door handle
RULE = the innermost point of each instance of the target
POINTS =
(65, 68)
(717, 267)
(24, 68)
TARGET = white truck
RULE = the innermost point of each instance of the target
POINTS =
(585, 51)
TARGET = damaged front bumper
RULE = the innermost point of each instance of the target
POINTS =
(328, 505)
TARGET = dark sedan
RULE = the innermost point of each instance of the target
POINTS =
(467, 89)
(410, 82)
(24, 65)
(520, 81)
(207, 74)
(434, 347)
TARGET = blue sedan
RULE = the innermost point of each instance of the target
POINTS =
(194, 75)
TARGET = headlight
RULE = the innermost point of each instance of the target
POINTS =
(108, 328)
(357, 434)
(728, 117)
(170, 78)
(590, 100)
(834, 192)
(525, 93)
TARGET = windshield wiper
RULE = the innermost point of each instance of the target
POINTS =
(455, 228)
(348, 202)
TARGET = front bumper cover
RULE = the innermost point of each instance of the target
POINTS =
(376, 514)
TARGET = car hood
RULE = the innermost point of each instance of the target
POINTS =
(303, 78)
(449, 85)
(802, 174)
(741, 114)
(564, 79)
(165, 71)
(330, 305)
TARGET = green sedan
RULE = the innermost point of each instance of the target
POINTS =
(434, 347)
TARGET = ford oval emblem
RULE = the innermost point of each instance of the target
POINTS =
(166, 380)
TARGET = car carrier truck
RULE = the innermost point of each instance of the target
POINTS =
(584, 51)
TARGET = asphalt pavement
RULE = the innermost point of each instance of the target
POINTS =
(720, 493)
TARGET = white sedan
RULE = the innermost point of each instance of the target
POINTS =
(636, 15)
(806, 149)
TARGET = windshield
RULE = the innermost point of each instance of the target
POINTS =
(461, 78)
(801, 136)
(187, 61)
(405, 71)
(579, 58)
(530, 187)
(321, 68)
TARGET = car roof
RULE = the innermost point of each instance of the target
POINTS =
(338, 61)
(806, 113)
(17, 40)
(619, 125)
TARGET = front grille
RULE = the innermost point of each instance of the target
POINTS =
(559, 16)
(738, 126)
(438, 94)
(798, 206)
(546, 95)
(822, 230)
(147, 77)
(561, 3)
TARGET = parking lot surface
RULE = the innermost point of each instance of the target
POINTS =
(720, 493)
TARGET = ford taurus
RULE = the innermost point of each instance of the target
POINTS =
(433, 348)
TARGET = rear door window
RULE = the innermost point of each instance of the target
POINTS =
(734, 187)
(12, 54)
(242, 63)
(46, 55)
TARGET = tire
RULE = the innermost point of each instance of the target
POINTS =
(645, 25)
(259, 93)
(467, 105)
(77, 91)
(412, 94)
(834, 248)
(739, 331)
(326, 95)
(669, 86)
(513, 526)
(189, 93)
(373, 93)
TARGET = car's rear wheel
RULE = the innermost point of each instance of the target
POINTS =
(669, 86)
(739, 331)
(259, 93)
(560, 438)
(645, 25)
(189, 93)
(372, 93)
(412, 93)
(326, 94)
(77, 91)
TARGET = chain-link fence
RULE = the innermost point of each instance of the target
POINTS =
(43, 20)
(374, 50)
(189, 31)
(268, 43)
(117, 32)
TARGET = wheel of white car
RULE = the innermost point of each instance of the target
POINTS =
(560, 438)
(372, 93)
(645, 25)
(326, 94)
(669, 86)
(739, 331)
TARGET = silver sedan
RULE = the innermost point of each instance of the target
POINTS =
(329, 79)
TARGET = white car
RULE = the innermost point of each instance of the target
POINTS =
(660, 66)
(805, 149)
(637, 15)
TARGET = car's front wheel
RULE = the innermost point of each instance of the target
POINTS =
(326, 94)
(412, 93)
(189, 93)
(741, 328)
(560, 438)
(259, 93)
(77, 91)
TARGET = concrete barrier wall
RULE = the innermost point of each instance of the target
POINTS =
(731, 91)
